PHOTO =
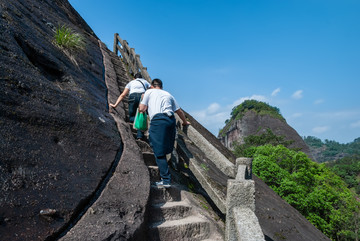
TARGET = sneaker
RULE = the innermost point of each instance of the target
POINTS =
(162, 184)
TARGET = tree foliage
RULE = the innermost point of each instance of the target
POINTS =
(342, 159)
(257, 106)
(267, 137)
(315, 191)
(331, 150)
(348, 168)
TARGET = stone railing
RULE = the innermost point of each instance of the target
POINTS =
(130, 57)
(238, 203)
(241, 221)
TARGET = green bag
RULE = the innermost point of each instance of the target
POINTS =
(140, 122)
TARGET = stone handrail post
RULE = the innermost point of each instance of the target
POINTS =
(241, 221)
(246, 168)
(130, 57)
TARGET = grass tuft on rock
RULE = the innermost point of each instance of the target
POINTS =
(68, 39)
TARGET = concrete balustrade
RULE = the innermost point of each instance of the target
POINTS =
(241, 221)
(221, 162)
(247, 227)
(246, 168)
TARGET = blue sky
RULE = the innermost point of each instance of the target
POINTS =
(302, 56)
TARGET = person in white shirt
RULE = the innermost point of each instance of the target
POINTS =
(161, 107)
(135, 89)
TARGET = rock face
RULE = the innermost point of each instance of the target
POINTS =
(57, 140)
(252, 123)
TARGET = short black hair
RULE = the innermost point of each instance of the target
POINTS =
(157, 82)
(138, 75)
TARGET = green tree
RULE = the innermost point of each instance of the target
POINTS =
(267, 137)
(332, 150)
(348, 168)
(312, 188)
(257, 106)
(313, 141)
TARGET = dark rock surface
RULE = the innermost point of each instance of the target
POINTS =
(57, 140)
(118, 214)
(252, 124)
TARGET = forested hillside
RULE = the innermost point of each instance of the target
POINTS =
(327, 150)
(313, 189)
(318, 191)
(342, 159)
(255, 118)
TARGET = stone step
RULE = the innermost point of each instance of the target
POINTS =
(215, 237)
(170, 211)
(144, 146)
(154, 173)
(163, 195)
(149, 159)
(190, 228)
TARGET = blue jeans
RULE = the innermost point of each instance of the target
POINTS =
(163, 168)
(134, 101)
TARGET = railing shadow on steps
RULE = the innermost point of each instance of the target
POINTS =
(234, 197)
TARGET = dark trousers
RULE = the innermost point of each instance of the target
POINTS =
(134, 101)
(162, 138)
(163, 169)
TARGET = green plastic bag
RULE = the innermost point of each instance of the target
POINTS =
(140, 122)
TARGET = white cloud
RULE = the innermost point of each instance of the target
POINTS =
(297, 94)
(355, 124)
(320, 129)
(212, 108)
(213, 116)
(275, 92)
(297, 115)
(318, 102)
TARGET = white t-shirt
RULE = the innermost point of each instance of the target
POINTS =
(159, 101)
(136, 87)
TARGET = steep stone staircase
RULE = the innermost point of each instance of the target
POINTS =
(175, 213)
(180, 212)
